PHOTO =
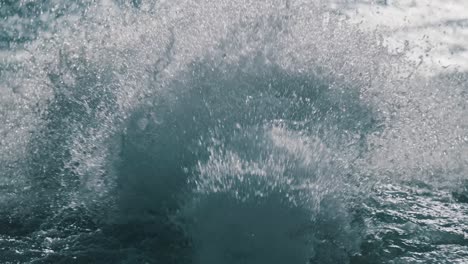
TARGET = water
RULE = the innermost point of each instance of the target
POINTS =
(227, 132)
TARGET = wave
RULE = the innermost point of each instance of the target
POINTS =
(209, 133)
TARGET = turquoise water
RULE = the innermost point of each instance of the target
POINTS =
(227, 132)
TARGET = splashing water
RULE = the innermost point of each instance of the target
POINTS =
(223, 132)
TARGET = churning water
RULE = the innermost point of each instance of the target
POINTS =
(222, 132)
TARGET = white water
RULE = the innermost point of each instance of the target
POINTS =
(255, 127)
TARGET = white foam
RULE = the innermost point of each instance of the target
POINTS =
(434, 32)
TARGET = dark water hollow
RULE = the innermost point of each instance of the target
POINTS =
(227, 108)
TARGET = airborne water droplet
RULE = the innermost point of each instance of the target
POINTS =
(142, 123)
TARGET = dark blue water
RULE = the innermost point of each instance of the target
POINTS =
(228, 132)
